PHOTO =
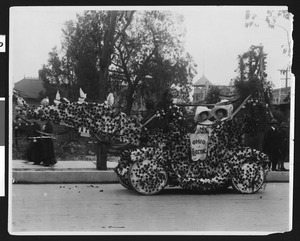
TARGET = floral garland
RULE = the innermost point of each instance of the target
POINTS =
(254, 115)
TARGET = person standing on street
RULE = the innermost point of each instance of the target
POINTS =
(272, 144)
(33, 152)
(47, 146)
(284, 145)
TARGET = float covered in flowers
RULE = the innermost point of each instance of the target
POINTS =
(148, 169)
(161, 155)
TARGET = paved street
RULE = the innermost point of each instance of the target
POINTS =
(110, 208)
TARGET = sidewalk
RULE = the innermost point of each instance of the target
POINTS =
(86, 172)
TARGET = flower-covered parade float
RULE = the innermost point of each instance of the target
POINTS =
(162, 151)
(168, 159)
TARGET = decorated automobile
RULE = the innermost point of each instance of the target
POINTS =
(162, 151)
(167, 159)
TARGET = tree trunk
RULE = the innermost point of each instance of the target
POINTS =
(105, 57)
(103, 85)
(129, 100)
(103, 80)
(101, 156)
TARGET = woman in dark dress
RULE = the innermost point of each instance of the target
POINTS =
(47, 155)
(33, 153)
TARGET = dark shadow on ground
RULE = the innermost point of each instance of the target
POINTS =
(177, 191)
(181, 191)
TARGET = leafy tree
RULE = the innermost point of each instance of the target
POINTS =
(87, 49)
(57, 75)
(137, 55)
(252, 80)
(89, 44)
(150, 58)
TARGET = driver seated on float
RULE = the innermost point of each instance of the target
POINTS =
(222, 111)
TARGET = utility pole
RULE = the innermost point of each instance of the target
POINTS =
(286, 73)
(262, 63)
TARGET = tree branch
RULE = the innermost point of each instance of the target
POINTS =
(116, 71)
(117, 65)
(141, 73)
(124, 66)
(125, 26)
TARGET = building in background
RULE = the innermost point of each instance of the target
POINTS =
(201, 88)
(203, 85)
(281, 96)
(227, 92)
(29, 89)
(281, 103)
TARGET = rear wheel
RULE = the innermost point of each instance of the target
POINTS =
(249, 179)
(147, 178)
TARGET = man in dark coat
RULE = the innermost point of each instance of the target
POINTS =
(284, 145)
(272, 144)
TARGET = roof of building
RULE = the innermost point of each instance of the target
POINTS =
(202, 81)
(30, 87)
(281, 90)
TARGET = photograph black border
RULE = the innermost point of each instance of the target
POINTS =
(4, 58)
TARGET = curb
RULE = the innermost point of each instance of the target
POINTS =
(82, 176)
(277, 177)
(95, 176)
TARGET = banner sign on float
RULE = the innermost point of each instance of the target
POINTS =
(199, 146)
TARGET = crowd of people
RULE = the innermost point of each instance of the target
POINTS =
(276, 145)
(276, 138)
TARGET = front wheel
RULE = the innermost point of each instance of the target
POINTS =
(147, 178)
(249, 178)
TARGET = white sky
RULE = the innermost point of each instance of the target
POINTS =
(216, 35)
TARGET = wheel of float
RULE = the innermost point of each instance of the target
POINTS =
(147, 178)
(250, 178)
(124, 182)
